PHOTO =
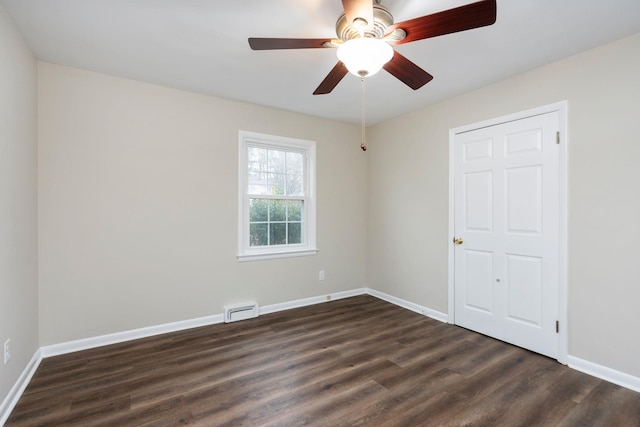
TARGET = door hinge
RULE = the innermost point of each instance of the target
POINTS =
(557, 327)
(558, 137)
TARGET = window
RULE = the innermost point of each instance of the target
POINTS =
(276, 197)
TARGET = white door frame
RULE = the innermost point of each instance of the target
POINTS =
(562, 109)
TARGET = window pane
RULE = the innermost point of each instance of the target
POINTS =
(257, 183)
(276, 184)
(294, 185)
(295, 233)
(257, 178)
(258, 234)
(276, 161)
(294, 163)
(277, 234)
(258, 210)
(257, 159)
(295, 210)
(257, 189)
(277, 210)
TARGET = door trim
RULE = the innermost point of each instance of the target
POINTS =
(562, 109)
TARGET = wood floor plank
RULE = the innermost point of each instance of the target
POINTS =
(353, 362)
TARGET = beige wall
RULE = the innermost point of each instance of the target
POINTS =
(408, 175)
(138, 206)
(18, 220)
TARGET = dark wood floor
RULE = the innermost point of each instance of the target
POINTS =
(357, 361)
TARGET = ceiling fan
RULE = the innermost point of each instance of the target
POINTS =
(366, 30)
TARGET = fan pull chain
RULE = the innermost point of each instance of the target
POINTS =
(363, 144)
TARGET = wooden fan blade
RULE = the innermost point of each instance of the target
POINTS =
(461, 18)
(407, 72)
(258, 43)
(359, 13)
(333, 78)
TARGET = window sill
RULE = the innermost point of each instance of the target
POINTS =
(258, 256)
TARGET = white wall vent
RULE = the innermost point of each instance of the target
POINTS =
(246, 310)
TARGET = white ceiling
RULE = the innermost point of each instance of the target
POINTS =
(201, 46)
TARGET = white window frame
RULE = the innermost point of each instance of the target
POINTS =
(308, 148)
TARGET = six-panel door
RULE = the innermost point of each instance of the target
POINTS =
(506, 202)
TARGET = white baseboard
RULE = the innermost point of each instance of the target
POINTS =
(604, 373)
(434, 314)
(18, 388)
(272, 308)
(102, 340)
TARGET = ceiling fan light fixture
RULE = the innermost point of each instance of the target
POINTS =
(365, 56)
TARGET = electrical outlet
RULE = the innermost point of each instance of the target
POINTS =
(7, 351)
(321, 275)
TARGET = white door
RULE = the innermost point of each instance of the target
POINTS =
(506, 220)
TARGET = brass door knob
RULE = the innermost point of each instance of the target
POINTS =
(458, 240)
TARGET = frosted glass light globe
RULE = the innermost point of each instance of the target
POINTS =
(365, 56)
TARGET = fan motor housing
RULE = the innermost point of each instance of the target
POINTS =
(382, 19)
